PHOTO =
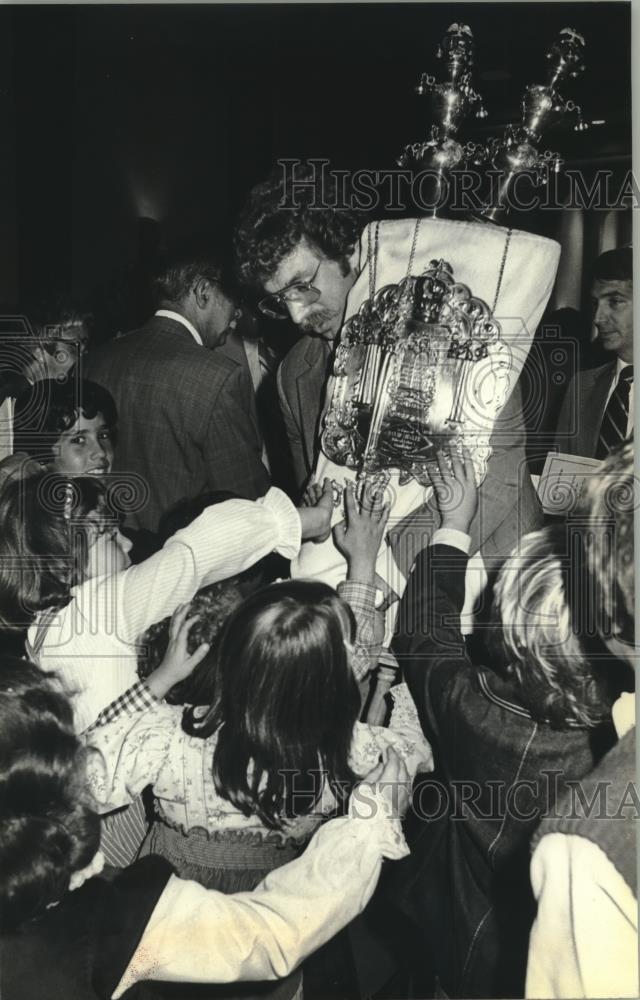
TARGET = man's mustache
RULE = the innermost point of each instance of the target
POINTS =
(318, 319)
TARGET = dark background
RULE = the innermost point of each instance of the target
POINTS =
(115, 114)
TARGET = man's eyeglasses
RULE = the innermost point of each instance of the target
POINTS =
(302, 292)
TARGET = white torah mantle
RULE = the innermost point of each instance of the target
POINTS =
(437, 329)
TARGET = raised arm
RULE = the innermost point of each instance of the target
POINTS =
(223, 541)
(358, 538)
(428, 631)
(429, 615)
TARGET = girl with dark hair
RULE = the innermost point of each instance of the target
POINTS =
(68, 427)
(71, 428)
(67, 932)
(239, 784)
(65, 572)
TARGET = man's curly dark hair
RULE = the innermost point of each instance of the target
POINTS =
(268, 229)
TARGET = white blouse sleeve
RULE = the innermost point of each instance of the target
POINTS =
(128, 753)
(199, 935)
(584, 941)
(224, 540)
(404, 734)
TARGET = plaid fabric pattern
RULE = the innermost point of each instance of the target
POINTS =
(137, 698)
(122, 832)
(361, 597)
(185, 423)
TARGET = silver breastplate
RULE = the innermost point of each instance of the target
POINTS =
(408, 376)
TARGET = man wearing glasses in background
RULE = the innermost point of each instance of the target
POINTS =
(304, 259)
(45, 344)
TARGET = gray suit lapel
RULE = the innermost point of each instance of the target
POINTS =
(310, 384)
(592, 410)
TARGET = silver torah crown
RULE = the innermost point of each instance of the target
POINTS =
(404, 377)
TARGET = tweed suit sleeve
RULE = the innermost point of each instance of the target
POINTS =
(294, 432)
(232, 450)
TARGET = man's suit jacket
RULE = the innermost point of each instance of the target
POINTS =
(302, 378)
(583, 409)
(233, 350)
(184, 417)
(507, 505)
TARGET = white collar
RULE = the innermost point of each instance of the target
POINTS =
(169, 314)
(620, 364)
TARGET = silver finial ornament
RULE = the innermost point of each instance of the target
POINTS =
(518, 150)
(451, 101)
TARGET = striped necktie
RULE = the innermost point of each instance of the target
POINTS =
(614, 422)
(267, 360)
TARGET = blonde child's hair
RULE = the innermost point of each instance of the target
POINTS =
(538, 638)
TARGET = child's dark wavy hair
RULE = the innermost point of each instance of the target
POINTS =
(286, 701)
(49, 408)
(213, 605)
(47, 827)
(44, 541)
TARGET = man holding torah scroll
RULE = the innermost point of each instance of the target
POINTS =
(439, 319)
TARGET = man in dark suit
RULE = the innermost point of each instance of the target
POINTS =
(247, 346)
(306, 259)
(597, 412)
(186, 423)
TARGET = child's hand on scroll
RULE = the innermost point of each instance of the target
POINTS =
(358, 537)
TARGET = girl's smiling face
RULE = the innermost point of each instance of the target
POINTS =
(86, 449)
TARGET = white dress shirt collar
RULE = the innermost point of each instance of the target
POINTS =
(620, 365)
(169, 314)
